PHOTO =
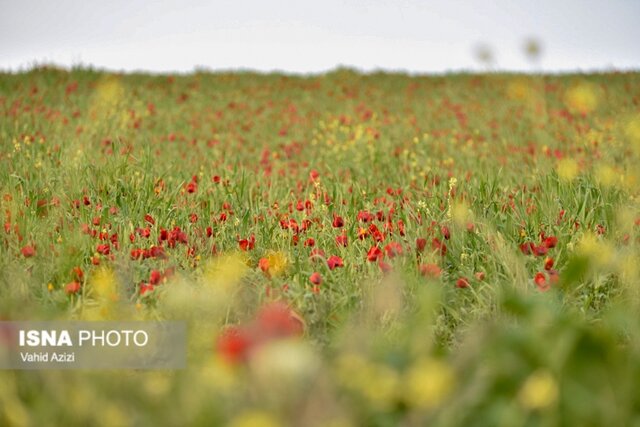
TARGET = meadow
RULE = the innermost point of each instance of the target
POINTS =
(347, 249)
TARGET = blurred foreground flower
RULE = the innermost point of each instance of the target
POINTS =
(273, 321)
(428, 383)
(581, 98)
(539, 391)
(255, 419)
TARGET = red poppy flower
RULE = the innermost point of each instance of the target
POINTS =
(541, 250)
(72, 288)
(192, 187)
(316, 254)
(393, 249)
(342, 240)
(155, 277)
(527, 248)
(334, 261)
(420, 244)
(28, 251)
(247, 244)
(315, 278)
(263, 263)
(374, 254)
(438, 246)
(365, 216)
(146, 287)
(277, 320)
(550, 242)
(310, 242)
(78, 273)
(541, 282)
(383, 266)
(445, 232)
(338, 221)
(548, 263)
(104, 249)
(376, 233)
(462, 282)
(234, 344)
(430, 270)
(401, 228)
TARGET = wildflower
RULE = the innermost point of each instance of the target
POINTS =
(428, 383)
(234, 344)
(263, 263)
(72, 288)
(376, 233)
(383, 266)
(548, 263)
(342, 240)
(28, 251)
(78, 273)
(316, 254)
(146, 287)
(374, 254)
(462, 282)
(315, 278)
(528, 248)
(277, 320)
(541, 250)
(541, 282)
(247, 244)
(154, 277)
(103, 249)
(334, 261)
(365, 216)
(255, 419)
(550, 242)
(539, 391)
(430, 270)
(438, 246)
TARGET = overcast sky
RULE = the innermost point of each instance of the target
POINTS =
(313, 36)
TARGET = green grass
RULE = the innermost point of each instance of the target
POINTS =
(495, 159)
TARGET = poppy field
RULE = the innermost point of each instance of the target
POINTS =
(347, 249)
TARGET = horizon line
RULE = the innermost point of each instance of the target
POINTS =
(205, 69)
